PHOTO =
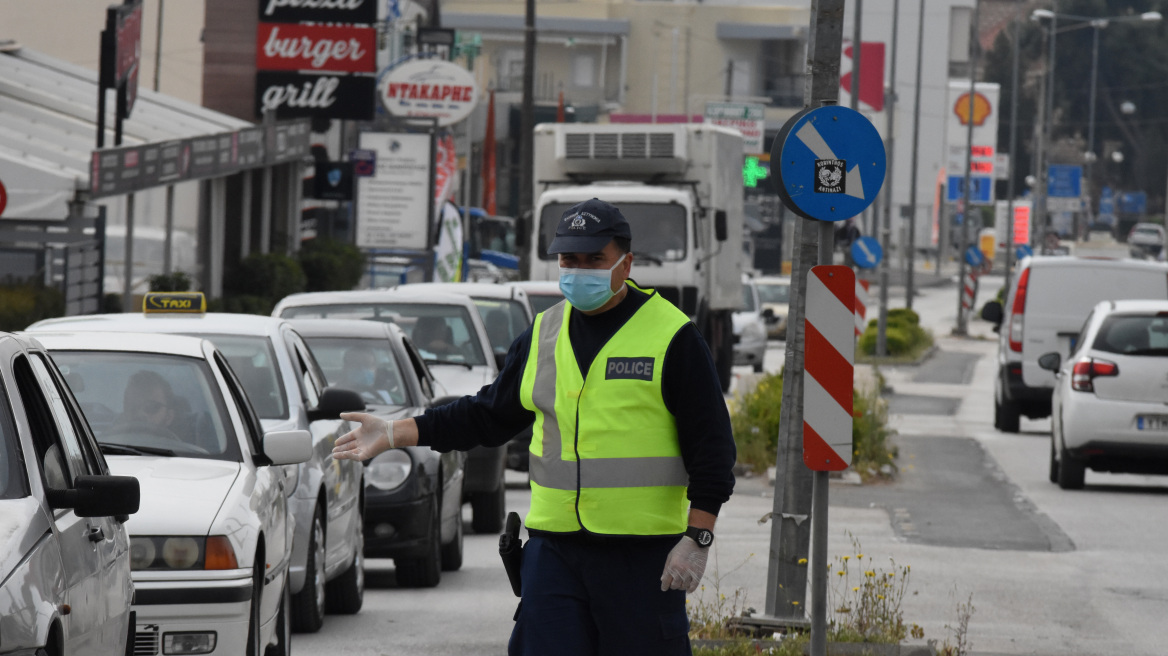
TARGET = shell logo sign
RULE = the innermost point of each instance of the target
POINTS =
(981, 109)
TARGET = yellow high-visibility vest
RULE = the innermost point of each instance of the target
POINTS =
(604, 449)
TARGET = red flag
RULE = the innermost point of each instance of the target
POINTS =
(560, 109)
(489, 159)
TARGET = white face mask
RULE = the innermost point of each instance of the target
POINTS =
(588, 289)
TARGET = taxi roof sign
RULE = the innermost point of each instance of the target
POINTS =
(174, 302)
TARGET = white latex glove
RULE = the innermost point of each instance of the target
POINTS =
(372, 436)
(684, 566)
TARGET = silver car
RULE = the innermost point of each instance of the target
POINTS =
(288, 391)
(65, 585)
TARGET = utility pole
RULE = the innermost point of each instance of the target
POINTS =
(910, 271)
(854, 89)
(886, 226)
(967, 210)
(526, 141)
(1013, 144)
(158, 51)
(790, 524)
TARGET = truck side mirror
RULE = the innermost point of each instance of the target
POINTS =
(720, 228)
(521, 224)
(992, 312)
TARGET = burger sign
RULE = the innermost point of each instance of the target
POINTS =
(429, 88)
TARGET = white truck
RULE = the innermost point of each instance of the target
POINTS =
(679, 186)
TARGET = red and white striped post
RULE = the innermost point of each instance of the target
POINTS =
(828, 372)
(969, 289)
(861, 305)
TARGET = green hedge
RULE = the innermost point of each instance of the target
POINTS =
(24, 303)
(330, 265)
(904, 334)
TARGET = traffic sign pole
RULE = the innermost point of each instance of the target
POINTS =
(962, 326)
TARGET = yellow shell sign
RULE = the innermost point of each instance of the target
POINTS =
(981, 109)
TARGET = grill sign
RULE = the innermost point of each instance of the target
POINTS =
(330, 96)
(429, 88)
(315, 47)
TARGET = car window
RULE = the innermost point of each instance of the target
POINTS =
(13, 482)
(747, 298)
(1080, 340)
(774, 292)
(251, 422)
(442, 333)
(312, 379)
(366, 366)
(151, 404)
(253, 360)
(56, 470)
(541, 302)
(1130, 334)
(505, 320)
(79, 460)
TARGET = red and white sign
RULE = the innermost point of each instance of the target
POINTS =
(871, 76)
(429, 88)
(828, 370)
(969, 289)
(334, 48)
(861, 305)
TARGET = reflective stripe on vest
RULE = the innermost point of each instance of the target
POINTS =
(604, 451)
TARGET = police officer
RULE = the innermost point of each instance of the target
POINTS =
(631, 452)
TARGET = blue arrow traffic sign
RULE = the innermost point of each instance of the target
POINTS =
(974, 257)
(866, 252)
(1023, 252)
(830, 163)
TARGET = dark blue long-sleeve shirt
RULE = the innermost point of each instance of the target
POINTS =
(690, 389)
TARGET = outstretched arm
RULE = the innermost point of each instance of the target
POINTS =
(373, 436)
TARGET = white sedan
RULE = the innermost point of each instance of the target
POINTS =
(211, 544)
(1109, 411)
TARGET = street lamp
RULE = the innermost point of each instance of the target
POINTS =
(1097, 24)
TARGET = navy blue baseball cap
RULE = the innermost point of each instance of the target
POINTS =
(588, 227)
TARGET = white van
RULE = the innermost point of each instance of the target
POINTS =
(1048, 301)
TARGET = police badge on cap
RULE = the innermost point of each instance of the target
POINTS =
(588, 227)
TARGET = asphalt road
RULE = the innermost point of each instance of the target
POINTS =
(1049, 572)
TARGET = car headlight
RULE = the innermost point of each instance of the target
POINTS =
(182, 552)
(389, 470)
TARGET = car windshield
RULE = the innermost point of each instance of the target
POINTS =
(774, 292)
(253, 360)
(12, 478)
(442, 333)
(1129, 334)
(658, 229)
(366, 366)
(747, 299)
(541, 302)
(504, 320)
(151, 404)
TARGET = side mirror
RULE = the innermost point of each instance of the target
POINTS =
(992, 312)
(334, 401)
(1050, 361)
(99, 496)
(721, 230)
(288, 447)
(769, 315)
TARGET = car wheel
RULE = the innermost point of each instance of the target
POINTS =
(488, 509)
(283, 626)
(424, 572)
(308, 604)
(1071, 471)
(255, 622)
(1054, 464)
(346, 593)
(452, 551)
(1009, 416)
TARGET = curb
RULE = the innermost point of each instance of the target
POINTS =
(833, 648)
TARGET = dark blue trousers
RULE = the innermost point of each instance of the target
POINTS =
(584, 598)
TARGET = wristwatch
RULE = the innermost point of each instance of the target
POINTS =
(703, 536)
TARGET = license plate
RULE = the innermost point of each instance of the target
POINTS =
(1152, 422)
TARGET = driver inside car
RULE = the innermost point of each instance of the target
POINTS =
(148, 401)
